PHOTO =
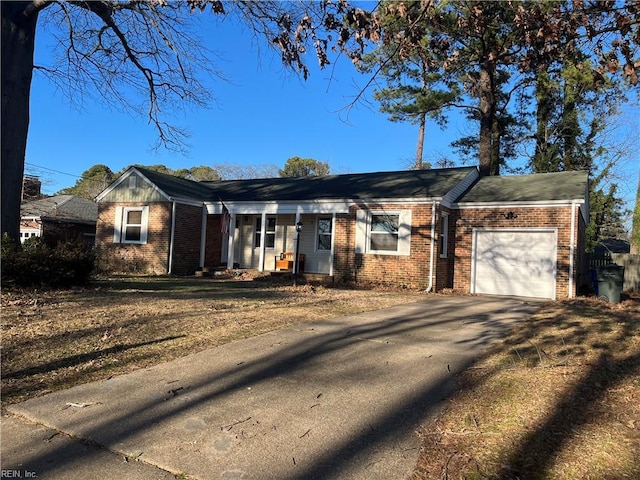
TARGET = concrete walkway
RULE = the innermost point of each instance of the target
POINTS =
(337, 399)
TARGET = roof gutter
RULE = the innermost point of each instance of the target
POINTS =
(432, 252)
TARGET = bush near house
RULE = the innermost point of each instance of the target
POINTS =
(37, 264)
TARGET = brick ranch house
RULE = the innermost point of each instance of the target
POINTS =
(429, 229)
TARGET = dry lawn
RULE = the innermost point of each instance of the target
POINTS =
(558, 399)
(56, 339)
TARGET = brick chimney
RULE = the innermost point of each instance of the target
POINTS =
(31, 188)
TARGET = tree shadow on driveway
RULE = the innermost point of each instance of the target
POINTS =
(332, 399)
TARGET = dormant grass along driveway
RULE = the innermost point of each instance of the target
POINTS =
(56, 339)
(558, 399)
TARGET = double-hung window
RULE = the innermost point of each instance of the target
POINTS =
(270, 232)
(131, 225)
(324, 234)
(383, 232)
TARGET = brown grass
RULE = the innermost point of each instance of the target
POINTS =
(558, 399)
(56, 339)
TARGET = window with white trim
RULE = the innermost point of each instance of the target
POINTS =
(383, 232)
(131, 225)
(443, 238)
(324, 234)
(270, 233)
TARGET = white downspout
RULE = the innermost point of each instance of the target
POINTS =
(572, 248)
(432, 252)
(173, 234)
(203, 236)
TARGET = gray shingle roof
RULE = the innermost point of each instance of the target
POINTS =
(528, 188)
(176, 186)
(402, 184)
(62, 207)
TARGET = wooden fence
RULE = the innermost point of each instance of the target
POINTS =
(631, 264)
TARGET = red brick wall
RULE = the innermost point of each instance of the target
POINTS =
(444, 267)
(465, 220)
(187, 236)
(150, 258)
(344, 246)
(401, 270)
(213, 248)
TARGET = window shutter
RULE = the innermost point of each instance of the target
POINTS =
(361, 230)
(404, 233)
(145, 224)
(117, 226)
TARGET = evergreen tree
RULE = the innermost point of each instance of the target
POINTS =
(304, 167)
(91, 182)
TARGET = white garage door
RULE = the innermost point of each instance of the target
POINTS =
(514, 262)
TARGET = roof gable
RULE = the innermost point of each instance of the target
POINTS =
(151, 186)
(409, 184)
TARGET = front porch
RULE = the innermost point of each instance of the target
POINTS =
(280, 243)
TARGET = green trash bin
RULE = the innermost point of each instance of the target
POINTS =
(610, 281)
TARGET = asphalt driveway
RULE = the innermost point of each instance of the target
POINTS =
(340, 398)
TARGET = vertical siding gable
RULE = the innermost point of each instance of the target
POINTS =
(144, 191)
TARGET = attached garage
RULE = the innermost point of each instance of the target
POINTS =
(520, 236)
(518, 262)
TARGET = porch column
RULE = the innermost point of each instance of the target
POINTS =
(231, 234)
(295, 246)
(333, 236)
(263, 236)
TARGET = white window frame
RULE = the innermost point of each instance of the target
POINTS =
(119, 235)
(443, 237)
(257, 232)
(372, 233)
(363, 232)
(324, 234)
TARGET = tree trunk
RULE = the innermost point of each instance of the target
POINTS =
(541, 161)
(487, 97)
(421, 128)
(18, 36)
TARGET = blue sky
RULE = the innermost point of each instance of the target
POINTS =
(262, 115)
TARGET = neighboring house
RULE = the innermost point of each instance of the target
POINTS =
(432, 229)
(59, 218)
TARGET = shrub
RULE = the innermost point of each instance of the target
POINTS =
(36, 264)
